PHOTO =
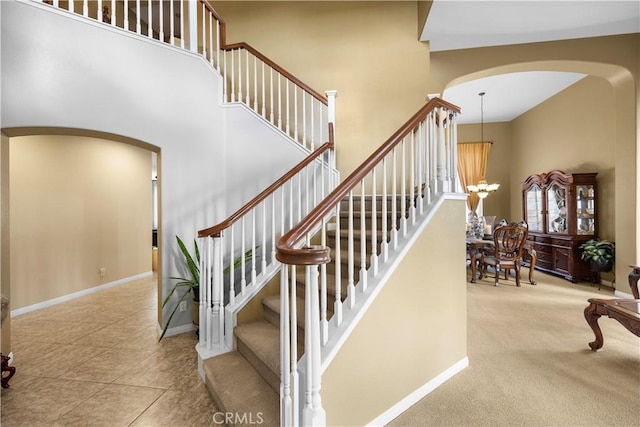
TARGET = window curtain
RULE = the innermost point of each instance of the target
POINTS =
(472, 167)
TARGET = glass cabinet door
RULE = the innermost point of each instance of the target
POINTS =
(556, 209)
(533, 214)
(585, 210)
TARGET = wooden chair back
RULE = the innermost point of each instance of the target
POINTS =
(509, 241)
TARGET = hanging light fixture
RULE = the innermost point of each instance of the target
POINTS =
(482, 189)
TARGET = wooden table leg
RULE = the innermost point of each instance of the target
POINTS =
(474, 263)
(532, 266)
(591, 314)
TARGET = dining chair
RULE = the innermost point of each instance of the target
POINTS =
(508, 240)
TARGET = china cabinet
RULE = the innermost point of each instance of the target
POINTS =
(561, 211)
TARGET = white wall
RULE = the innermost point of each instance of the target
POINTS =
(61, 71)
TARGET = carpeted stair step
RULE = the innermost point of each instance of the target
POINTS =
(259, 343)
(237, 388)
(272, 313)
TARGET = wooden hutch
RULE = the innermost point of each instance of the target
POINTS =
(561, 212)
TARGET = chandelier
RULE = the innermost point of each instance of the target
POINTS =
(482, 189)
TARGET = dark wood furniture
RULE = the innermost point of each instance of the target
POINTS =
(561, 212)
(625, 311)
(508, 246)
(476, 246)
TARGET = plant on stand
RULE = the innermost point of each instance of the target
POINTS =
(599, 253)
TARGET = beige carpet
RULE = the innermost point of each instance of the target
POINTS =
(530, 363)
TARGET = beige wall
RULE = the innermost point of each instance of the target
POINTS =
(406, 347)
(77, 204)
(614, 58)
(574, 132)
(498, 169)
(367, 51)
(5, 266)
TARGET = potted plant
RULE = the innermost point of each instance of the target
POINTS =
(599, 253)
(191, 284)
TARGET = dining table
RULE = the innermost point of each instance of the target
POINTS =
(476, 245)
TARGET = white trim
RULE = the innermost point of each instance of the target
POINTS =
(175, 330)
(69, 297)
(411, 399)
(620, 294)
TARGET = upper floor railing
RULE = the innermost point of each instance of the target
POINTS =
(249, 77)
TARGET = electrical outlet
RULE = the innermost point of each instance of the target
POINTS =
(102, 271)
(183, 306)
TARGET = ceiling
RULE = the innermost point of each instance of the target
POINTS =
(459, 24)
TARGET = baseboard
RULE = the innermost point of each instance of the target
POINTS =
(414, 397)
(69, 297)
(620, 294)
(176, 330)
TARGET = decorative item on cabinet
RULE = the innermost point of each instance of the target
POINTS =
(561, 211)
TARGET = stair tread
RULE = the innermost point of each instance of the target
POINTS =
(273, 303)
(263, 339)
(237, 388)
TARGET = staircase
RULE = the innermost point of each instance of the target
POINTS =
(247, 380)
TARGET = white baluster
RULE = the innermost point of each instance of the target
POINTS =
(182, 35)
(293, 317)
(351, 294)
(233, 78)
(217, 312)
(113, 11)
(172, 24)
(99, 17)
(248, 86)
(295, 113)
(403, 186)
(203, 334)
(71, 6)
(239, 75)
(138, 26)
(337, 272)
(324, 323)
(255, 84)
(193, 26)
(313, 413)
(263, 264)
(299, 196)
(149, 19)
(232, 267)
(385, 237)
(285, 350)
(161, 19)
(225, 79)
(313, 131)
(394, 211)
(279, 104)
(271, 95)
(287, 106)
(218, 53)
(204, 33)
(273, 228)
(420, 155)
(243, 278)
(374, 225)
(264, 88)
(211, 42)
(412, 184)
(85, 8)
(454, 149)
(304, 121)
(253, 246)
(363, 238)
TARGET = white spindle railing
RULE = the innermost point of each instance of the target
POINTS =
(422, 156)
(235, 258)
(249, 77)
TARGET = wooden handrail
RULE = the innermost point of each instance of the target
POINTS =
(243, 45)
(216, 230)
(314, 255)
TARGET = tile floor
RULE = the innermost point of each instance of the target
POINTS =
(95, 361)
